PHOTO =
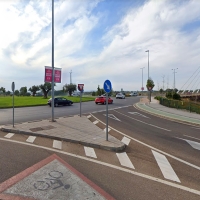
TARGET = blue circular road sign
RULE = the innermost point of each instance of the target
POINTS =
(107, 86)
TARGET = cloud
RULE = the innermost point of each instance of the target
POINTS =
(94, 51)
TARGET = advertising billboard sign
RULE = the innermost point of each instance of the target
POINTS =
(48, 74)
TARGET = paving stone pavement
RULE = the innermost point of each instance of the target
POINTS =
(72, 129)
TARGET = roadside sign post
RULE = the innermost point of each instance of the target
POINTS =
(107, 86)
(80, 88)
(13, 90)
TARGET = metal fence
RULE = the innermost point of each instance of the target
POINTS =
(187, 105)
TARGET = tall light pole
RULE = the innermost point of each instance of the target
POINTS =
(174, 76)
(148, 62)
(142, 78)
(148, 76)
(70, 77)
(52, 82)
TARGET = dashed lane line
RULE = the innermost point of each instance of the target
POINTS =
(57, 144)
(167, 154)
(9, 135)
(175, 185)
(192, 137)
(165, 167)
(193, 144)
(90, 152)
(31, 139)
(126, 140)
(124, 160)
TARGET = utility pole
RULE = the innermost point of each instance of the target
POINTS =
(167, 82)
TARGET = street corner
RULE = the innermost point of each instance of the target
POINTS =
(51, 178)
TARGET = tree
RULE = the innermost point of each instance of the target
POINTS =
(98, 91)
(46, 87)
(23, 91)
(34, 89)
(70, 88)
(8, 93)
(150, 85)
(3, 90)
(16, 93)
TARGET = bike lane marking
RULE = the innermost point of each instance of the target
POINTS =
(51, 178)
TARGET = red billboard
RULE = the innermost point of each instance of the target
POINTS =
(48, 75)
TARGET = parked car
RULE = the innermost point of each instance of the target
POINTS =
(133, 94)
(120, 96)
(102, 100)
(76, 94)
(58, 101)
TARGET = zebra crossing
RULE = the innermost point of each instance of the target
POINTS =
(123, 158)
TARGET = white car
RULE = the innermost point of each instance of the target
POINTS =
(120, 96)
(133, 94)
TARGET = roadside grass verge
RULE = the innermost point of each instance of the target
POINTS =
(6, 102)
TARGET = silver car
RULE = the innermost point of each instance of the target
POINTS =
(120, 96)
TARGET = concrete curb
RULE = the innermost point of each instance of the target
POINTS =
(165, 117)
(93, 145)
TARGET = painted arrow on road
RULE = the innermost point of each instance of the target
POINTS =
(136, 113)
(112, 117)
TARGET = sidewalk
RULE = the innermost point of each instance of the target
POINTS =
(72, 129)
(155, 108)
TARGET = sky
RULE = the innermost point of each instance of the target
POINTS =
(98, 40)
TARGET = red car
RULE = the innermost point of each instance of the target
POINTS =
(102, 100)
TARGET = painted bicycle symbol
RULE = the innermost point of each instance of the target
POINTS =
(52, 182)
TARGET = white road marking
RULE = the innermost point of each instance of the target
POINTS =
(124, 160)
(192, 137)
(95, 122)
(105, 129)
(112, 117)
(178, 186)
(90, 152)
(194, 144)
(88, 116)
(126, 140)
(158, 150)
(31, 139)
(165, 167)
(136, 113)
(57, 144)
(143, 122)
(9, 135)
(195, 127)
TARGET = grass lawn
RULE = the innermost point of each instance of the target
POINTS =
(6, 102)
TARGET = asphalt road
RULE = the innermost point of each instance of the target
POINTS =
(148, 133)
(44, 112)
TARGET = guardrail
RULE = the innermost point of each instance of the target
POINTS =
(186, 105)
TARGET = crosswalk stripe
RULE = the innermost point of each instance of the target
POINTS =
(165, 167)
(31, 139)
(90, 152)
(57, 144)
(124, 160)
(126, 140)
(88, 116)
(105, 129)
(95, 122)
(9, 135)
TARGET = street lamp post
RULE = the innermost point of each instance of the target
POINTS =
(142, 77)
(174, 77)
(148, 76)
(148, 62)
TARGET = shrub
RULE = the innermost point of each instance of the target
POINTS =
(176, 96)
